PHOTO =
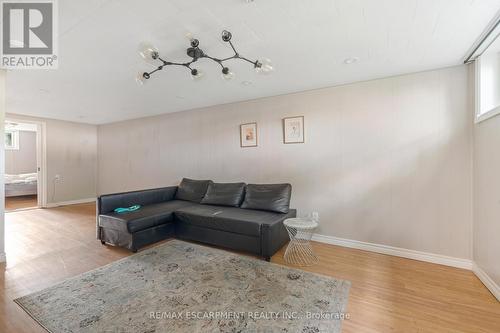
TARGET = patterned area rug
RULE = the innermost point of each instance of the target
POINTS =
(183, 287)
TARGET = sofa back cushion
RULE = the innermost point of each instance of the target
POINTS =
(192, 190)
(269, 197)
(224, 194)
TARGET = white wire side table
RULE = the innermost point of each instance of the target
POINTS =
(299, 251)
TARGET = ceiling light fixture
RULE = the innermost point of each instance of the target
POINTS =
(152, 56)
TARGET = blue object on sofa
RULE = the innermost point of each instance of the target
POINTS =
(127, 209)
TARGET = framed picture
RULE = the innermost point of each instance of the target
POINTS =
(293, 129)
(248, 135)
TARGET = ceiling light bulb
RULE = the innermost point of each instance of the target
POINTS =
(141, 78)
(196, 74)
(264, 66)
(195, 42)
(148, 52)
(227, 74)
(226, 36)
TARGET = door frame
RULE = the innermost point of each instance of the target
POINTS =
(41, 156)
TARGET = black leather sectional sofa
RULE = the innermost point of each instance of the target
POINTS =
(233, 215)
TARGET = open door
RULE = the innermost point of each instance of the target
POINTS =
(24, 181)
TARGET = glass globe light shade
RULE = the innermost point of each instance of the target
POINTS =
(189, 36)
(148, 52)
(264, 66)
(141, 79)
(197, 74)
(227, 74)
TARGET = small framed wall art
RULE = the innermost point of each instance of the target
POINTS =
(293, 129)
(248, 135)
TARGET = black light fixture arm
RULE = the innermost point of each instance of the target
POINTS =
(219, 61)
(196, 53)
(237, 56)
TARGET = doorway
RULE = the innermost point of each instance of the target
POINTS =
(23, 165)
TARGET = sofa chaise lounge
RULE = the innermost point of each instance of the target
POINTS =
(237, 216)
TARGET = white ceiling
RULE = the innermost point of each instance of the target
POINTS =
(307, 41)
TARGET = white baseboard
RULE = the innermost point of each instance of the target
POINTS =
(3, 258)
(487, 281)
(395, 251)
(71, 202)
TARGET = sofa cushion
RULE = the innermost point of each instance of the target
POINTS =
(144, 218)
(192, 190)
(224, 194)
(230, 219)
(269, 197)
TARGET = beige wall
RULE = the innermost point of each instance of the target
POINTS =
(385, 161)
(487, 197)
(22, 160)
(72, 154)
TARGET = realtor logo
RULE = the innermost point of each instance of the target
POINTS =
(29, 34)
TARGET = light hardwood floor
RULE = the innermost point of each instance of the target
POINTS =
(388, 294)
(20, 202)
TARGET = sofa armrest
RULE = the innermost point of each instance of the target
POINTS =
(109, 202)
(274, 235)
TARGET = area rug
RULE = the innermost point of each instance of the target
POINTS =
(183, 287)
